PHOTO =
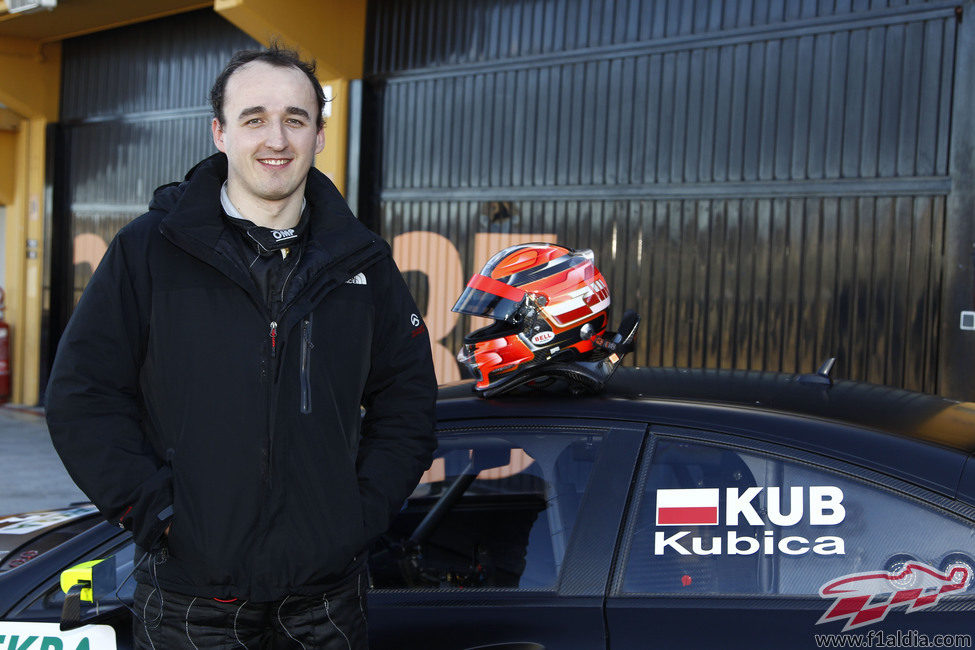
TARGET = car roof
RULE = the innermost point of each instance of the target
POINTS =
(921, 438)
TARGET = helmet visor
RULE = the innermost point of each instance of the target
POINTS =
(487, 297)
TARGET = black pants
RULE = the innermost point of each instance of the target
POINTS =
(327, 621)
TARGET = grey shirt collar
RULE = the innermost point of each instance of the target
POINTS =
(232, 210)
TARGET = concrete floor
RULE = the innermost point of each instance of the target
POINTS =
(31, 474)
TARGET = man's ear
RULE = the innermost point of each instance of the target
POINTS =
(319, 140)
(218, 135)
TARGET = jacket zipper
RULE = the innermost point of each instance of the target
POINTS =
(273, 379)
(304, 367)
(267, 370)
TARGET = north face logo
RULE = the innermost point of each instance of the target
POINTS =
(360, 278)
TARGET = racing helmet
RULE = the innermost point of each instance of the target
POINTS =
(547, 301)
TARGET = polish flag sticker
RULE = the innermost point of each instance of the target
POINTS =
(695, 507)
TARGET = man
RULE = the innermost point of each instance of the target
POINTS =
(208, 393)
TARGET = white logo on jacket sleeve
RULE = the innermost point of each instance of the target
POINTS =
(360, 278)
(415, 320)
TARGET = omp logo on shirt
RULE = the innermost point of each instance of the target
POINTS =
(280, 235)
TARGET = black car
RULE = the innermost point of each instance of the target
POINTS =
(679, 508)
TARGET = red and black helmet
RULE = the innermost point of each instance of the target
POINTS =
(548, 302)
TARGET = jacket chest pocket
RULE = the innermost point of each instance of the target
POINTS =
(334, 356)
(304, 363)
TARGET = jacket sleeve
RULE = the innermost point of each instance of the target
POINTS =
(93, 400)
(398, 428)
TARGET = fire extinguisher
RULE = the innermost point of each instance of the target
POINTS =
(4, 353)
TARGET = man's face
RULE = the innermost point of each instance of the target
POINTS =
(270, 133)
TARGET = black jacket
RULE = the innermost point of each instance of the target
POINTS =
(175, 399)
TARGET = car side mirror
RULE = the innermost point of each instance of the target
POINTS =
(90, 582)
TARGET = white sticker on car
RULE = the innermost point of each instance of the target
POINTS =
(818, 505)
(34, 521)
(15, 635)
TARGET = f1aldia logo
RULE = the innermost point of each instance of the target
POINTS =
(822, 505)
(866, 598)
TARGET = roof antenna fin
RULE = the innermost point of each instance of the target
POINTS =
(822, 375)
(827, 368)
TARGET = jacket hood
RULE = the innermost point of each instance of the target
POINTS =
(166, 197)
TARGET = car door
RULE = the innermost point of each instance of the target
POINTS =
(508, 540)
(733, 543)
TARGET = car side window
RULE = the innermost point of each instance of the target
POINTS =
(719, 520)
(496, 509)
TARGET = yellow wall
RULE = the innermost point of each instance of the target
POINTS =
(30, 79)
(8, 152)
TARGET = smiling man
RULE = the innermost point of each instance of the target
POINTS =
(208, 393)
(270, 127)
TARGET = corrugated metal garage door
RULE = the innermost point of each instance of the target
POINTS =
(765, 182)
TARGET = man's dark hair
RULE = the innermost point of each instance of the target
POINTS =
(274, 55)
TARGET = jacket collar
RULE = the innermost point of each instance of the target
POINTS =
(337, 247)
(194, 218)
